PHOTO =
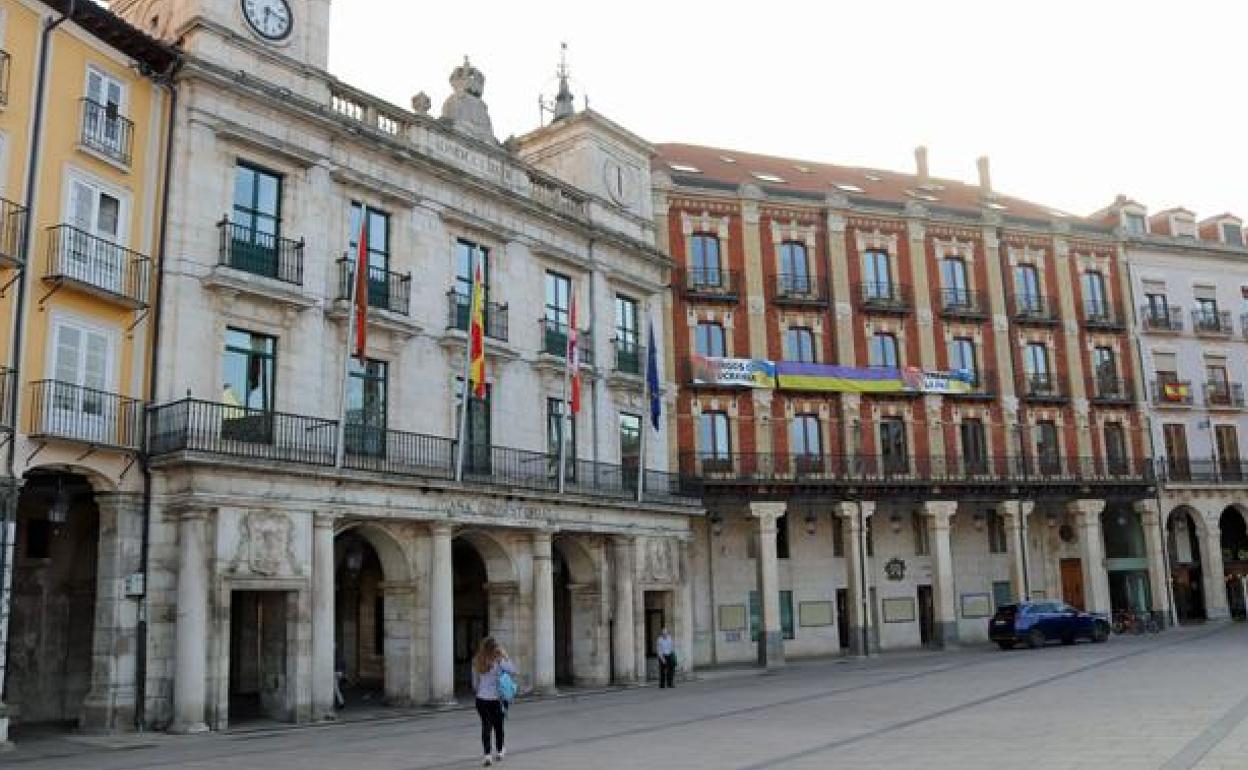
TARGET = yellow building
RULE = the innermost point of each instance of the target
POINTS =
(84, 117)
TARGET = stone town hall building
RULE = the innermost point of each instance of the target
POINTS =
(271, 565)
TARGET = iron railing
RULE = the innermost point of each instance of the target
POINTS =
(90, 261)
(630, 358)
(884, 297)
(1033, 308)
(1225, 395)
(1214, 322)
(72, 412)
(963, 303)
(1212, 471)
(798, 289)
(386, 290)
(106, 131)
(555, 341)
(1111, 390)
(244, 432)
(459, 306)
(8, 381)
(381, 450)
(1168, 319)
(982, 385)
(1042, 387)
(264, 254)
(711, 283)
(12, 233)
(1099, 314)
(1169, 392)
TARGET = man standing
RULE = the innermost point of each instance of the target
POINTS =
(666, 650)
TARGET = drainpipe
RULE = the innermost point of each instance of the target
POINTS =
(140, 667)
(32, 175)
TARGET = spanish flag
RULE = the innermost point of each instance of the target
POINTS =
(1175, 391)
(573, 360)
(476, 337)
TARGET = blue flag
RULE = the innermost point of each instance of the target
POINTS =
(652, 379)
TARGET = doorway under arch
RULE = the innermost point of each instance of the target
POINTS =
(564, 666)
(471, 607)
(1184, 533)
(359, 620)
(1234, 544)
(1126, 559)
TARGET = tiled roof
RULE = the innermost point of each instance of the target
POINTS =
(732, 167)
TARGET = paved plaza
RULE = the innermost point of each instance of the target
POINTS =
(1177, 700)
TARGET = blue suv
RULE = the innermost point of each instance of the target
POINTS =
(1035, 623)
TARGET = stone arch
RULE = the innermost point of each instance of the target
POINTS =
(1188, 549)
(499, 565)
(394, 561)
(99, 482)
(1233, 542)
(580, 561)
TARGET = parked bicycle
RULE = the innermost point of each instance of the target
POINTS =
(1131, 622)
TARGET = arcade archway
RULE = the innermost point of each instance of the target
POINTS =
(1185, 530)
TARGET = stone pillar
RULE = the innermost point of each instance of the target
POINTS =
(684, 612)
(771, 637)
(1158, 584)
(322, 616)
(543, 616)
(1016, 513)
(1213, 569)
(190, 680)
(1087, 514)
(624, 642)
(441, 619)
(110, 703)
(858, 617)
(9, 490)
(939, 513)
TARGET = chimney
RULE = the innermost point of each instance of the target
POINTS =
(985, 177)
(920, 160)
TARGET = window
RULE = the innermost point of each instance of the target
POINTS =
(709, 339)
(627, 335)
(804, 440)
(1115, 447)
(1002, 593)
(103, 127)
(799, 344)
(90, 251)
(974, 445)
(922, 546)
(1157, 306)
(962, 357)
(630, 437)
(1036, 365)
(468, 257)
(893, 453)
(256, 220)
(249, 366)
(378, 252)
(953, 275)
(877, 275)
(477, 445)
(1175, 437)
(706, 269)
(558, 299)
(995, 524)
(786, 615)
(1135, 224)
(1047, 450)
(1207, 311)
(554, 428)
(782, 537)
(366, 406)
(794, 268)
(1104, 363)
(1027, 289)
(1227, 439)
(1095, 298)
(82, 362)
(1232, 234)
(713, 440)
(883, 350)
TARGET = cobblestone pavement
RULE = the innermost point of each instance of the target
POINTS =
(1172, 701)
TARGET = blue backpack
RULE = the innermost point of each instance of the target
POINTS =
(506, 687)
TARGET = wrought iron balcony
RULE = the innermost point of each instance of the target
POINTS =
(1042, 387)
(555, 341)
(459, 306)
(1033, 308)
(963, 303)
(630, 358)
(891, 298)
(1185, 470)
(62, 410)
(982, 385)
(12, 233)
(386, 290)
(98, 266)
(1168, 319)
(4, 77)
(1102, 315)
(711, 284)
(105, 131)
(798, 289)
(1111, 390)
(263, 254)
(203, 428)
(1171, 392)
(1212, 322)
(8, 381)
(1224, 395)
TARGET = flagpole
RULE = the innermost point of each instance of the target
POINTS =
(563, 417)
(466, 390)
(341, 448)
(645, 418)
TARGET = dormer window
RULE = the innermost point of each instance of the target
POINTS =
(1135, 224)
(1183, 227)
(1232, 234)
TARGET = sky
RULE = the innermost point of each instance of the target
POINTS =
(1074, 102)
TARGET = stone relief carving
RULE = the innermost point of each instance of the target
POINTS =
(659, 560)
(265, 545)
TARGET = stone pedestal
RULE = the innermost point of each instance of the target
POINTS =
(624, 641)
(939, 513)
(323, 617)
(441, 619)
(771, 638)
(543, 616)
(1087, 515)
(190, 677)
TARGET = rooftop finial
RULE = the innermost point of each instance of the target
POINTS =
(564, 107)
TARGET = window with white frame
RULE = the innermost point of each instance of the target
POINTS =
(81, 373)
(89, 246)
(103, 127)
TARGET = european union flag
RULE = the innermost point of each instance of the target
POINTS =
(652, 379)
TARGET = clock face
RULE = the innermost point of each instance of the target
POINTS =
(619, 182)
(269, 18)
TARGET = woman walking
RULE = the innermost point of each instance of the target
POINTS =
(488, 666)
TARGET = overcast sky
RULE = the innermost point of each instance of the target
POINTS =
(1073, 101)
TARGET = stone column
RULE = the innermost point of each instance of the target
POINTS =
(441, 619)
(624, 642)
(1158, 584)
(1213, 569)
(858, 619)
(109, 705)
(543, 615)
(1015, 513)
(939, 513)
(322, 616)
(1087, 514)
(771, 638)
(190, 681)
(684, 612)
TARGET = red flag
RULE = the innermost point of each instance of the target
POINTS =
(361, 288)
(574, 361)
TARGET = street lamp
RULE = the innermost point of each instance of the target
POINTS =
(58, 512)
